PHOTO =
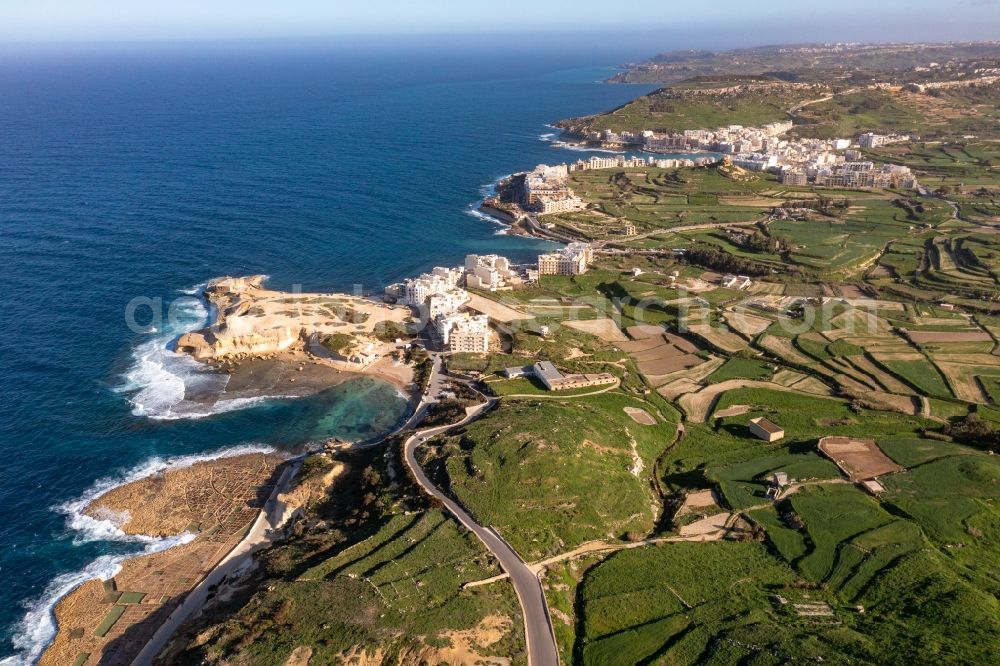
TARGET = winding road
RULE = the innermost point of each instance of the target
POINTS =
(538, 632)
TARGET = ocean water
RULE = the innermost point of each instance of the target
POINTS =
(134, 172)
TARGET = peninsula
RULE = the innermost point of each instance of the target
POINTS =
(276, 343)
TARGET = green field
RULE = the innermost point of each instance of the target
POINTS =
(741, 368)
(550, 475)
(378, 567)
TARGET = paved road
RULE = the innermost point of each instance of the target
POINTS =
(542, 650)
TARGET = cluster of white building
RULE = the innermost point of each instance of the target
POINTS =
(546, 190)
(464, 332)
(872, 140)
(622, 162)
(570, 260)
(730, 281)
(491, 272)
(852, 175)
(820, 162)
(728, 139)
(441, 294)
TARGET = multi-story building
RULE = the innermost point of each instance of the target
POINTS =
(463, 332)
(490, 272)
(571, 260)
(790, 176)
(546, 190)
(872, 140)
(446, 302)
(563, 204)
(441, 283)
(865, 175)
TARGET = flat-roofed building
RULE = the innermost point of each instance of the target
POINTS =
(464, 332)
(555, 380)
(571, 260)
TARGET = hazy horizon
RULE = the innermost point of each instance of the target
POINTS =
(642, 24)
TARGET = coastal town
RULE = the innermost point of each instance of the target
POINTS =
(751, 381)
(828, 163)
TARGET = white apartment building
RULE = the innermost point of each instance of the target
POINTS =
(446, 302)
(464, 332)
(450, 275)
(571, 260)
(489, 271)
(416, 291)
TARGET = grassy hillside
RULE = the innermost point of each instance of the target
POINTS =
(676, 109)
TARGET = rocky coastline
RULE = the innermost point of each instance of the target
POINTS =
(200, 512)
(276, 344)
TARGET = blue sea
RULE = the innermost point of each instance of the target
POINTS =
(141, 172)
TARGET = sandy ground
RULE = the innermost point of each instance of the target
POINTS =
(747, 324)
(660, 354)
(962, 380)
(644, 331)
(859, 459)
(701, 499)
(725, 340)
(640, 416)
(495, 309)
(705, 526)
(949, 336)
(735, 410)
(783, 348)
(605, 329)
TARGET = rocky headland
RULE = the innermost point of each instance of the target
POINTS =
(212, 504)
(296, 343)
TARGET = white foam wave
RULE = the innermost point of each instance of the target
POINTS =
(474, 211)
(219, 407)
(38, 627)
(193, 291)
(478, 214)
(159, 379)
(165, 385)
(107, 528)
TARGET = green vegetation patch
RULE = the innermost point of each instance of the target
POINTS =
(740, 368)
(695, 603)
(109, 620)
(922, 374)
(551, 474)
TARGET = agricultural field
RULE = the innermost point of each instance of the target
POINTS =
(373, 565)
(552, 474)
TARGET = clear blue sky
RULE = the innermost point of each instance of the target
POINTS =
(743, 21)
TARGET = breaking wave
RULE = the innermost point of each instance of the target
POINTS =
(37, 628)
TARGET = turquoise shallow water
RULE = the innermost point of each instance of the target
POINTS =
(130, 172)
